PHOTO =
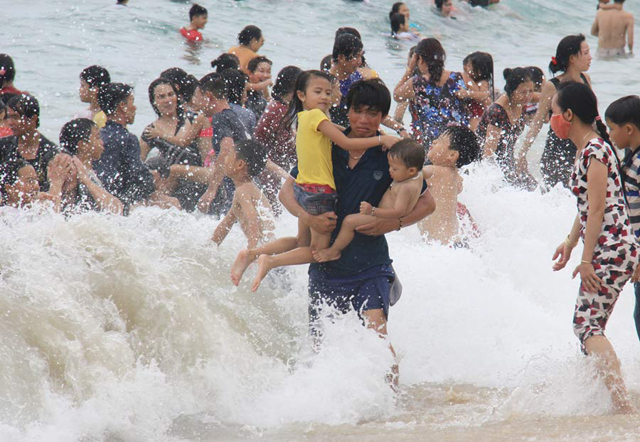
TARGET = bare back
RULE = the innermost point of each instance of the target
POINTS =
(612, 27)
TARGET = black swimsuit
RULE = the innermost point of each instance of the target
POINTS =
(556, 164)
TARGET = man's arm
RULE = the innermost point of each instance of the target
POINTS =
(425, 206)
(595, 29)
(226, 145)
(324, 223)
(630, 33)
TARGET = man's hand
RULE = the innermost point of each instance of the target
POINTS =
(378, 227)
(324, 223)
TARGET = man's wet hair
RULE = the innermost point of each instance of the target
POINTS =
(95, 76)
(625, 110)
(372, 94)
(110, 96)
(196, 11)
(465, 142)
(254, 154)
(249, 33)
(225, 61)
(409, 152)
(347, 45)
(255, 61)
(26, 106)
(235, 82)
(397, 20)
(214, 84)
(75, 131)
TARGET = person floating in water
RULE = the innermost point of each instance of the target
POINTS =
(400, 28)
(198, 17)
(614, 28)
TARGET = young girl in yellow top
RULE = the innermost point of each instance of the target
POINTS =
(315, 189)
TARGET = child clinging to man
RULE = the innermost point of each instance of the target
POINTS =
(405, 167)
(249, 207)
(198, 19)
(315, 189)
(457, 147)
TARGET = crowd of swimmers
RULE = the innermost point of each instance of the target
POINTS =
(244, 147)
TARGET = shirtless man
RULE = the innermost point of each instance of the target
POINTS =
(613, 26)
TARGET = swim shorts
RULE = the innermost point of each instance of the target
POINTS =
(315, 200)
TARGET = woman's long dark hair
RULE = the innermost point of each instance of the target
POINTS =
(296, 105)
(285, 82)
(567, 47)
(583, 103)
(152, 98)
(432, 53)
(482, 69)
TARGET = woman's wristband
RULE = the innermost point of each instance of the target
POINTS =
(568, 243)
(585, 262)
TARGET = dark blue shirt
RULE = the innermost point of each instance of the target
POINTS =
(120, 169)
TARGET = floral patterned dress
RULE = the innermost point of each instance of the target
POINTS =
(433, 108)
(615, 254)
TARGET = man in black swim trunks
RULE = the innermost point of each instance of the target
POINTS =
(362, 278)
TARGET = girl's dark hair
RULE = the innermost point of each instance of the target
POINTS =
(249, 33)
(567, 47)
(75, 131)
(285, 82)
(432, 52)
(26, 106)
(7, 70)
(482, 69)
(225, 61)
(255, 61)
(439, 4)
(465, 142)
(347, 45)
(182, 81)
(537, 76)
(95, 76)
(235, 82)
(583, 103)
(515, 77)
(152, 97)
(348, 30)
(625, 110)
(395, 9)
(296, 105)
(397, 20)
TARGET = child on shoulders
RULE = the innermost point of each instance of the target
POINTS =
(249, 207)
(405, 165)
(457, 147)
(198, 17)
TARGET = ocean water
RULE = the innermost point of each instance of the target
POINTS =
(128, 329)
